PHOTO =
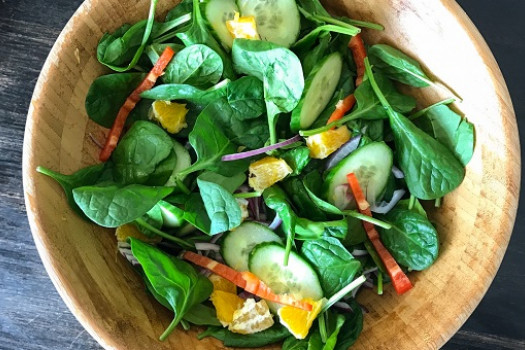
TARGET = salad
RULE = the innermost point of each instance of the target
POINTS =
(262, 167)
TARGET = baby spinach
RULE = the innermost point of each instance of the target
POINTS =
(144, 155)
(280, 71)
(331, 342)
(456, 133)
(175, 280)
(334, 265)
(126, 44)
(416, 207)
(314, 56)
(246, 98)
(274, 334)
(195, 213)
(154, 218)
(229, 183)
(107, 94)
(112, 206)
(222, 208)
(431, 170)
(299, 197)
(297, 158)
(352, 327)
(183, 7)
(202, 315)
(168, 92)
(210, 144)
(83, 177)
(307, 41)
(398, 66)
(196, 65)
(291, 343)
(197, 33)
(412, 240)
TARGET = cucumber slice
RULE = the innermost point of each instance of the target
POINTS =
(372, 165)
(277, 21)
(298, 278)
(237, 244)
(319, 88)
(218, 12)
(183, 162)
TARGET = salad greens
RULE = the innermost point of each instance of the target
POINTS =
(236, 183)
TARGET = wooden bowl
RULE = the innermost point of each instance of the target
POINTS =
(474, 222)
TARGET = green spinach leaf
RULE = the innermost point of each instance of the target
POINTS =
(202, 315)
(297, 158)
(197, 65)
(296, 191)
(175, 280)
(291, 343)
(195, 213)
(112, 206)
(154, 218)
(229, 183)
(169, 92)
(352, 327)
(246, 98)
(398, 66)
(331, 342)
(412, 240)
(307, 41)
(222, 208)
(280, 71)
(334, 265)
(274, 334)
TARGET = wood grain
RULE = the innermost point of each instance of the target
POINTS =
(51, 128)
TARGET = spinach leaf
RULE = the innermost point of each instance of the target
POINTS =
(168, 92)
(456, 133)
(183, 7)
(296, 191)
(195, 213)
(334, 265)
(197, 65)
(356, 232)
(222, 208)
(307, 41)
(274, 334)
(332, 339)
(210, 144)
(280, 71)
(83, 177)
(112, 206)
(140, 154)
(229, 183)
(154, 218)
(291, 343)
(197, 33)
(412, 240)
(126, 44)
(107, 94)
(246, 98)
(398, 66)
(175, 280)
(153, 51)
(306, 229)
(416, 208)
(297, 158)
(431, 170)
(314, 56)
(352, 327)
(202, 315)
(312, 7)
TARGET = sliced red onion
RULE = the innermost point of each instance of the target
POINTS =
(385, 207)
(354, 292)
(248, 154)
(207, 246)
(343, 151)
(368, 284)
(275, 223)
(359, 252)
(344, 306)
(373, 269)
(398, 173)
(125, 249)
(247, 295)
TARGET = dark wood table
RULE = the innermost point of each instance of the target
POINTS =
(32, 315)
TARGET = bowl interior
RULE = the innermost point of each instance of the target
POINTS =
(474, 222)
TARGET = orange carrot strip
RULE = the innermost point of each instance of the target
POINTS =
(131, 102)
(400, 281)
(245, 280)
(342, 107)
(357, 46)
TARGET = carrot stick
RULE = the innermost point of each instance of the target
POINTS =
(357, 46)
(131, 102)
(341, 108)
(245, 280)
(400, 281)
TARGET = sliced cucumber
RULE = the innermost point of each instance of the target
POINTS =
(372, 165)
(237, 244)
(218, 12)
(319, 88)
(183, 162)
(277, 21)
(298, 278)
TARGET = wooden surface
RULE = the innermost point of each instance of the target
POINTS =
(32, 316)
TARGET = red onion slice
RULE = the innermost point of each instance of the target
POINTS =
(255, 152)
(275, 223)
(385, 207)
(342, 152)
(398, 173)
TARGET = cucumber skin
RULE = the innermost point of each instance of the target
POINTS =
(295, 123)
(226, 45)
(333, 172)
(261, 246)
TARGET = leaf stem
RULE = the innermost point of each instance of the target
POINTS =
(349, 117)
(379, 283)
(347, 289)
(170, 329)
(425, 110)
(367, 218)
(162, 234)
(182, 186)
(322, 327)
(185, 325)
(411, 202)
(166, 27)
(247, 194)
(437, 204)
(351, 26)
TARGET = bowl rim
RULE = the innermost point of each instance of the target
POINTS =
(75, 305)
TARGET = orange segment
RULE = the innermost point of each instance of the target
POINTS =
(323, 144)
(222, 284)
(253, 317)
(171, 115)
(266, 172)
(299, 321)
(225, 304)
(243, 27)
